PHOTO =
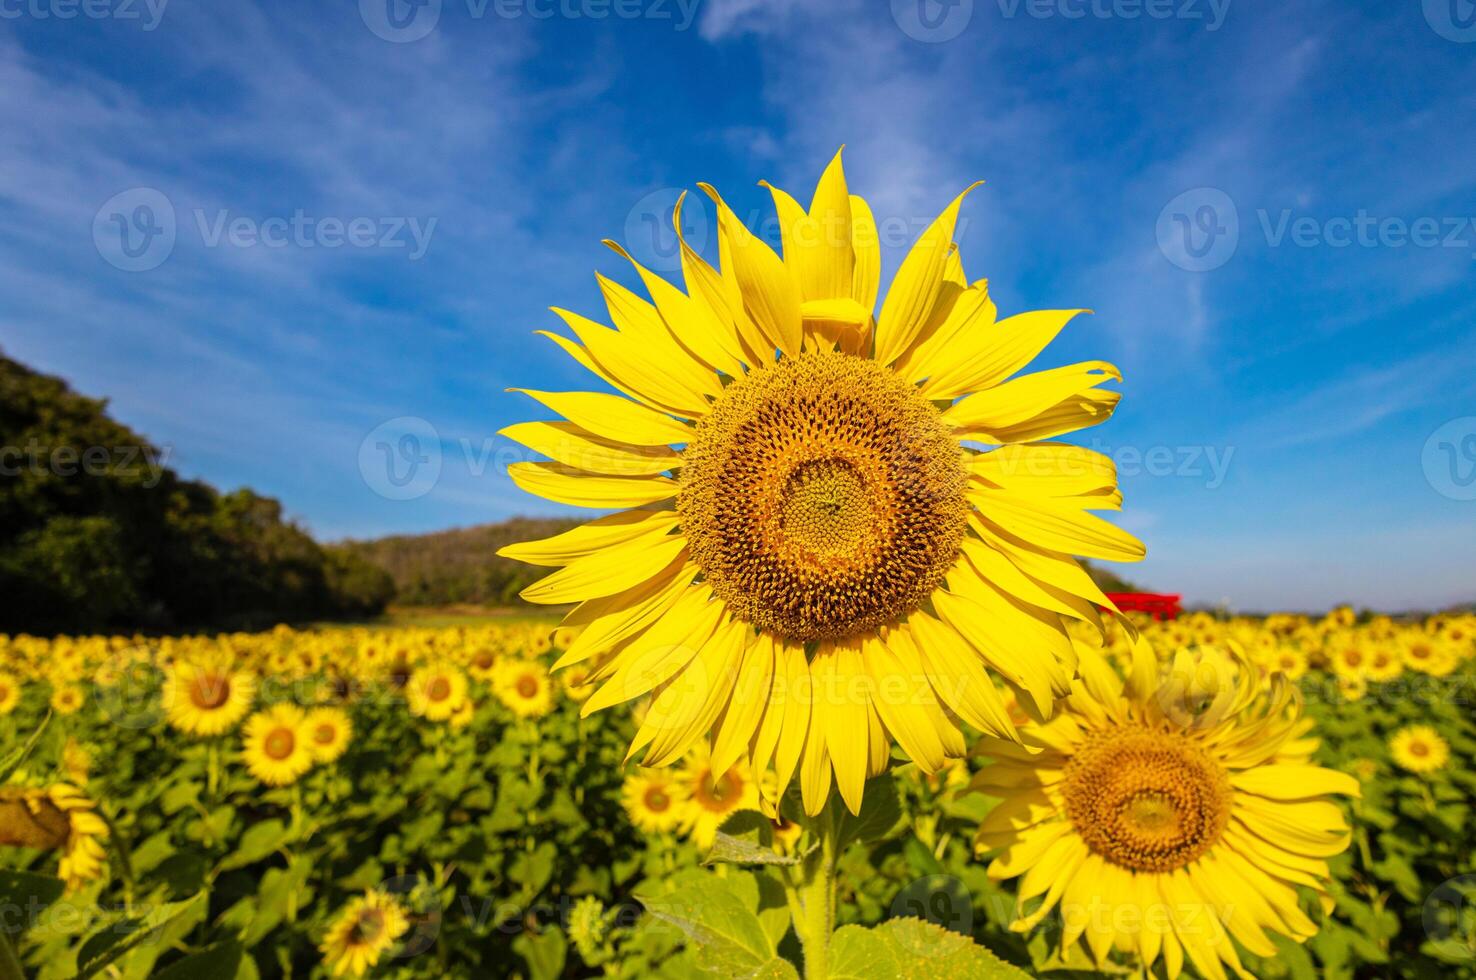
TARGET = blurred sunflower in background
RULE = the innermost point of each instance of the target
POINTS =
(1419, 748)
(362, 933)
(67, 699)
(58, 818)
(524, 686)
(714, 794)
(10, 693)
(1166, 819)
(208, 697)
(277, 745)
(436, 691)
(654, 799)
(807, 516)
(329, 731)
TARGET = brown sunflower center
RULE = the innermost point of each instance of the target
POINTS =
(368, 926)
(719, 795)
(439, 689)
(1418, 748)
(325, 733)
(527, 686)
(657, 800)
(210, 691)
(1146, 800)
(823, 496)
(279, 743)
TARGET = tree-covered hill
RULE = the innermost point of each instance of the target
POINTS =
(96, 533)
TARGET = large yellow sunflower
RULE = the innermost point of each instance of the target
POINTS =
(1166, 818)
(362, 933)
(834, 519)
(207, 697)
(58, 818)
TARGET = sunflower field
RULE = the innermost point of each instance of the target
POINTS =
(430, 802)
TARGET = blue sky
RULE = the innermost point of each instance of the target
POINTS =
(1284, 380)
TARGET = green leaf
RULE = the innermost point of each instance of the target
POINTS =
(17, 756)
(735, 850)
(913, 948)
(116, 939)
(220, 960)
(28, 895)
(545, 952)
(724, 934)
(881, 811)
(259, 841)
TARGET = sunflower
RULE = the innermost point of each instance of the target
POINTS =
(1288, 660)
(67, 699)
(278, 746)
(1349, 657)
(76, 761)
(1384, 663)
(362, 933)
(10, 693)
(208, 697)
(1429, 654)
(655, 800)
(812, 522)
(576, 683)
(523, 685)
(329, 731)
(715, 794)
(1419, 748)
(435, 691)
(483, 663)
(1165, 823)
(59, 818)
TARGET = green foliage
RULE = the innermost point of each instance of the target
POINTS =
(97, 533)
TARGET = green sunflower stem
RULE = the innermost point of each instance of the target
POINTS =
(10, 964)
(813, 894)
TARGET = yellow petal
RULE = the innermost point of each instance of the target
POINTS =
(591, 538)
(609, 571)
(610, 619)
(1295, 782)
(554, 481)
(1058, 528)
(984, 354)
(1026, 397)
(769, 294)
(702, 329)
(866, 244)
(917, 283)
(567, 443)
(614, 418)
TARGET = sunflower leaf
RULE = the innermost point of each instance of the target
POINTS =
(17, 756)
(724, 934)
(911, 948)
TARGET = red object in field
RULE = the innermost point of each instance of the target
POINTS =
(1159, 606)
